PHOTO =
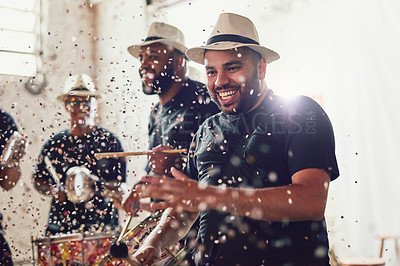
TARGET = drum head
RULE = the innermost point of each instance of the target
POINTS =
(79, 184)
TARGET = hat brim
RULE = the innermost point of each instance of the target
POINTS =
(196, 54)
(134, 50)
(79, 93)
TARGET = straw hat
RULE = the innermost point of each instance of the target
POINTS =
(161, 33)
(79, 85)
(232, 31)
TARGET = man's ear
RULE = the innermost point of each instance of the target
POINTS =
(262, 68)
(179, 61)
(67, 107)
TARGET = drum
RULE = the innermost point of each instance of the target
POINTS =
(133, 239)
(73, 249)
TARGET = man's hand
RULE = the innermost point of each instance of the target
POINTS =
(161, 162)
(147, 255)
(180, 193)
(59, 196)
(124, 197)
(130, 203)
(9, 177)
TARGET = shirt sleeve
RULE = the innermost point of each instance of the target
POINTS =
(191, 170)
(7, 128)
(41, 171)
(311, 141)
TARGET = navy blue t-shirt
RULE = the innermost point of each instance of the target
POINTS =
(175, 123)
(280, 138)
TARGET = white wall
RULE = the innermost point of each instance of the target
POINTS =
(126, 109)
(120, 24)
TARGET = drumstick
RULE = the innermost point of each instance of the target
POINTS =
(133, 153)
(52, 170)
(125, 228)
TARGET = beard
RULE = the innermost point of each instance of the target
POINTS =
(83, 122)
(248, 93)
(161, 83)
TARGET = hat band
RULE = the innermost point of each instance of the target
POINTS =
(231, 38)
(152, 38)
(80, 89)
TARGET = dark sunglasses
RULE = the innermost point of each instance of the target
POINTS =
(74, 100)
(78, 103)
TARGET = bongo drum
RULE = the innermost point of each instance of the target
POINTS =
(73, 249)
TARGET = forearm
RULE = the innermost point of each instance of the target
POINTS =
(172, 227)
(304, 199)
(289, 203)
(299, 201)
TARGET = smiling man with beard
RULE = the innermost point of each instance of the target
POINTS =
(258, 173)
(157, 70)
(184, 103)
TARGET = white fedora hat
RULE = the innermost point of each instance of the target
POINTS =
(79, 85)
(160, 32)
(232, 31)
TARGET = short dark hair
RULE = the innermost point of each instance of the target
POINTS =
(255, 56)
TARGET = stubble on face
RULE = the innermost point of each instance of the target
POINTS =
(157, 69)
(161, 82)
(233, 80)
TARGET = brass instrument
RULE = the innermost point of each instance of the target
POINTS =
(14, 150)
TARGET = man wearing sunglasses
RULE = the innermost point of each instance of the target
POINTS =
(70, 154)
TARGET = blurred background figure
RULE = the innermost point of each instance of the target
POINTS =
(12, 148)
(68, 171)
